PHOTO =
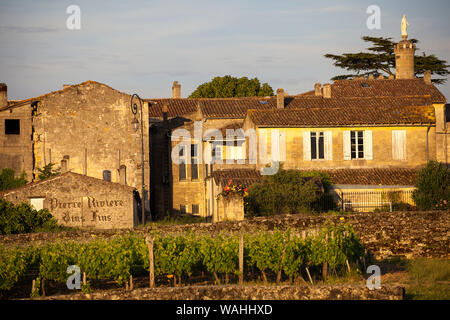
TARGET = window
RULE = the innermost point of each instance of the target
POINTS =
(357, 144)
(399, 144)
(182, 165)
(237, 151)
(194, 161)
(107, 175)
(182, 209)
(12, 126)
(37, 203)
(317, 146)
(195, 209)
(216, 152)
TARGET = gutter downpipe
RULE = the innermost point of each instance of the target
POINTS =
(428, 155)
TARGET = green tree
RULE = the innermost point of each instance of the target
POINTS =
(228, 86)
(47, 171)
(380, 60)
(433, 187)
(9, 181)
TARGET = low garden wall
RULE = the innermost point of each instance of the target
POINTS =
(235, 292)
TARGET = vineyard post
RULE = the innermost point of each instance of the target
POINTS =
(131, 283)
(33, 286)
(241, 259)
(149, 241)
(348, 266)
(43, 287)
(309, 276)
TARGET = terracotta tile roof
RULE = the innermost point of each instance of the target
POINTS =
(355, 102)
(319, 117)
(384, 177)
(370, 177)
(244, 177)
(386, 88)
(237, 107)
(211, 108)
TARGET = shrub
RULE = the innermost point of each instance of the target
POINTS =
(288, 191)
(9, 181)
(433, 187)
(24, 219)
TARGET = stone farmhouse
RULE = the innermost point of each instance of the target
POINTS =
(367, 133)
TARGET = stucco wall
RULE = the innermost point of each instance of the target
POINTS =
(416, 148)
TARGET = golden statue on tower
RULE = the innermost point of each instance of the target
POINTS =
(404, 28)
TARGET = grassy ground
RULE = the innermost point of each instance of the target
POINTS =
(423, 279)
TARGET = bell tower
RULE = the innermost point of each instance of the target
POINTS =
(404, 55)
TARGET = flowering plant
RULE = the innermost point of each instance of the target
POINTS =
(231, 188)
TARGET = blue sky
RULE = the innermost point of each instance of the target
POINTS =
(143, 46)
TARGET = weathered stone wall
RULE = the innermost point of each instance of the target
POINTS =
(247, 292)
(92, 124)
(409, 234)
(16, 150)
(231, 208)
(80, 201)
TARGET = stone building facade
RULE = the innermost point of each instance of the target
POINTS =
(77, 200)
(374, 128)
(85, 128)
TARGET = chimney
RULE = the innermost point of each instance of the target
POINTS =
(176, 90)
(427, 77)
(63, 165)
(371, 77)
(280, 98)
(67, 158)
(327, 90)
(3, 95)
(380, 77)
(318, 89)
(123, 174)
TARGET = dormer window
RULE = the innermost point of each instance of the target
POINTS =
(365, 85)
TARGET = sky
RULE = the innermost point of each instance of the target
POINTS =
(142, 46)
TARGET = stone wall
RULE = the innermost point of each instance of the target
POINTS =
(80, 201)
(91, 123)
(231, 208)
(409, 234)
(16, 149)
(247, 292)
